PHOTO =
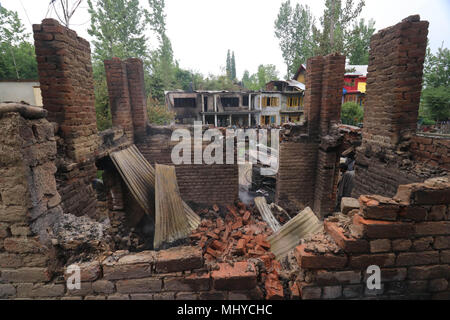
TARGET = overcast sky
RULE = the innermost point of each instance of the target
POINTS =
(202, 31)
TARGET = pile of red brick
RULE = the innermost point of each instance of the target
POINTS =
(240, 236)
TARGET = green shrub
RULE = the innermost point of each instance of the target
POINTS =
(158, 114)
(351, 113)
(436, 102)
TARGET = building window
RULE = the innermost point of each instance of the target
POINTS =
(229, 102)
(184, 102)
(295, 101)
(245, 101)
(270, 102)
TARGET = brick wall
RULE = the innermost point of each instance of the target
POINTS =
(119, 95)
(138, 101)
(394, 83)
(200, 183)
(407, 236)
(297, 171)
(173, 274)
(125, 80)
(308, 164)
(29, 201)
(67, 87)
(432, 150)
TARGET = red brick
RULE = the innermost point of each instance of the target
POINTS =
(241, 276)
(417, 258)
(376, 229)
(179, 259)
(193, 282)
(365, 260)
(274, 288)
(428, 272)
(350, 245)
(432, 228)
(329, 278)
(310, 260)
(308, 292)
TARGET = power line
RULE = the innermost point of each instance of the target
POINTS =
(26, 13)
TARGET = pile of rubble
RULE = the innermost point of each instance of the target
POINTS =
(237, 233)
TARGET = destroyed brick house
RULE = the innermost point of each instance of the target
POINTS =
(129, 243)
(281, 102)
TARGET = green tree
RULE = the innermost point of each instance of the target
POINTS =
(228, 65)
(351, 113)
(435, 98)
(437, 103)
(250, 82)
(17, 56)
(358, 42)
(265, 74)
(233, 67)
(293, 29)
(335, 23)
(437, 68)
(163, 67)
(117, 28)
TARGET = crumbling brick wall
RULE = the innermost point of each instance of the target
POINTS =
(67, 87)
(388, 155)
(407, 237)
(174, 274)
(308, 167)
(200, 183)
(29, 201)
(297, 171)
(125, 80)
(432, 150)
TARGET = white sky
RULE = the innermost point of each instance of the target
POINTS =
(202, 31)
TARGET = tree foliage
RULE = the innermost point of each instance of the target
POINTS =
(351, 113)
(358, 42)
(17, 56)
(300, 38)
(335, 23)
(117, 28)
(435, 98)
(257, 81)
(293, 29)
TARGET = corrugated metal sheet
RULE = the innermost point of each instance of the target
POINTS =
(139, 177)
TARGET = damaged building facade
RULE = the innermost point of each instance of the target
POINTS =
(51, 216)
(273, 106)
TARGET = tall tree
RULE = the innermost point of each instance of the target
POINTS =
(17, 57)
(359, 41)
(163, 67)
(233, 67)
(435, 99)
(228, 65)
(335, 23)
(293, 29)
(117, 28)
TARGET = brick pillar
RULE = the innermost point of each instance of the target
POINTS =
(119, 96)
(138, 101)
(313, 94)
(67, 86)
(394, 81)
(332, 84)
